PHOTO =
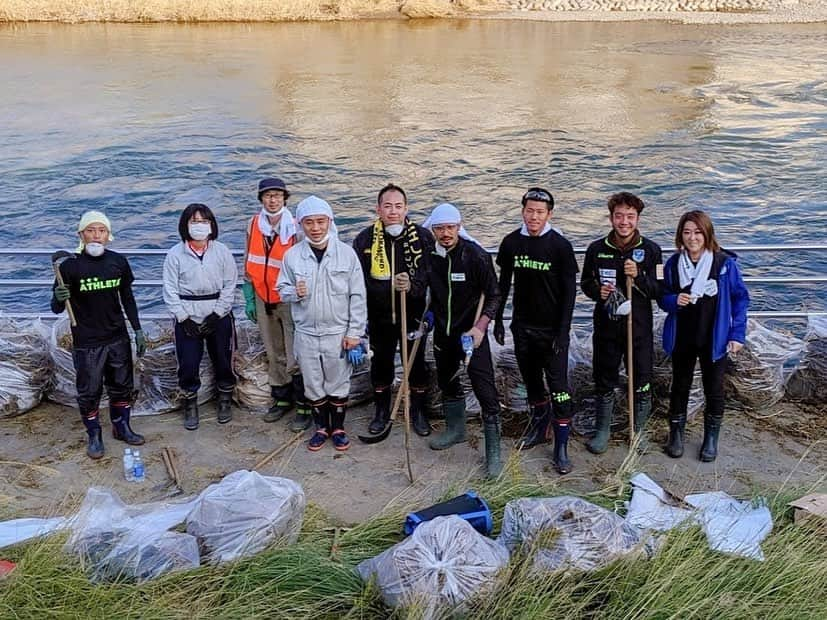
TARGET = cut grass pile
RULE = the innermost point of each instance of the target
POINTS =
(312, 580)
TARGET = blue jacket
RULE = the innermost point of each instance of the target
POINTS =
(731, 310)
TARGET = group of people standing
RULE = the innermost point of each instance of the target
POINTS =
(315, 298)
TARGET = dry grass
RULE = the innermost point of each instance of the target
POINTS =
(73, 11)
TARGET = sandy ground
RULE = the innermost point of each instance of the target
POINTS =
(803, 11)
(44, 470)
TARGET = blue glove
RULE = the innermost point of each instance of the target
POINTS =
(356, 356)
(427, 322)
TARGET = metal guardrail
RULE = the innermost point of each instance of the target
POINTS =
(779, 314)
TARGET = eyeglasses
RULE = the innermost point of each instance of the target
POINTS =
(537, 194)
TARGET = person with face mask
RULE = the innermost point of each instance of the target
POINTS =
(200, 278)
(609, 261)
(542, 265)
(394, 253)
(322, 280)
(461, 275)
(270, 233)
(98, 284)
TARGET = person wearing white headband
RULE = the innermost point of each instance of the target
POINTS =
(542, 264)
(321, 278)
(98, 284)
(464, 298)
(623, 253)
(394, 253)
(270, 233)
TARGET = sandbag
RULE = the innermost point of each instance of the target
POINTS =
(244, 513)
(437, 568)
(564, 533)
(25, 366)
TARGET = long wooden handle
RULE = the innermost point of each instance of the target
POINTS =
(630, 373)
(69, 310)
(406, 388)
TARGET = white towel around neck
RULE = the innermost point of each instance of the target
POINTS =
(697, 275)
(287, 225)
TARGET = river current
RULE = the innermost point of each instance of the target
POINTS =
(140, 120)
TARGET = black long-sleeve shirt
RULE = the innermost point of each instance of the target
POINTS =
(544, 271)
(101, 291)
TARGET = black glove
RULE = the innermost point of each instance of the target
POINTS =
(190, 328)
(209, 324)
(499, 332)
(560, 343)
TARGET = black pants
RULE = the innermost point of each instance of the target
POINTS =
(534, 350)
(384, 339)
(609, 348)
(712, 374)
(109, 365)
(449, 355)
(220, 346)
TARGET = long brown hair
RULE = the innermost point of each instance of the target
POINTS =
(702, 221)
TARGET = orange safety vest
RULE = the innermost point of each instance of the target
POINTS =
(263, 265)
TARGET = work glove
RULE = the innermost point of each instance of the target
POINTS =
(209, 324)
(190, 328)
(62, 292)
(356, 356)
(427, 324)
(249, 301)
(140, 343)
(402, 282)
(499, 332)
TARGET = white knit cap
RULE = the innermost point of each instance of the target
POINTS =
(313, 205)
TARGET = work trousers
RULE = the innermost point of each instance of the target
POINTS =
(449, 356)
(109, 365)
(325, 369)
(276, 326)
(384, 339)
(536, 359)
(220, 346)
(712, 374)
(609, 348)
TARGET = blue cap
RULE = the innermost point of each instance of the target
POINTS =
(272, 183)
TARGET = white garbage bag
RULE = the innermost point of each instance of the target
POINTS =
(25, 366)
(244, 513)
(438, 567)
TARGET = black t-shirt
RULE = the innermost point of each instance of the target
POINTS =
(545, 279)
(101, 291)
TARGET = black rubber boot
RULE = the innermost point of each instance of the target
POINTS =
(561, 441)
(537, 432)
(94, 447)
(304, 417)
(420, 422)
(493, 464)
(604, 406)
(454, 425)
(225, 407)
(282, 402)
(338, 409)
(191, 412)
(709, 448)
(677, 425)
(643, 409)
(382, 410)
(321, 418)
(120, 413)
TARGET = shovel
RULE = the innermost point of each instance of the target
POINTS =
(57, 258)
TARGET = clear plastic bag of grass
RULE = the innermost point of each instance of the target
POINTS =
(441, 565)
(245, 513)
(563, 533)
(25, 367)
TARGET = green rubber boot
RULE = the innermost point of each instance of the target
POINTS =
(643, 409)
(605, 404)
(454, 425)
(493, 464)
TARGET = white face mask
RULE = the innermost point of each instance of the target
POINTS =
(200, 230)
(394, 230)
(441, 250)
(93, 249)
(320, 242)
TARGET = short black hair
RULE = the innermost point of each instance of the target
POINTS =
(540, 194)
(390, 187)
(625, 198)
(186, 215)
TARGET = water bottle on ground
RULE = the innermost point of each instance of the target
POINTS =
(137, 466)
(128, 465)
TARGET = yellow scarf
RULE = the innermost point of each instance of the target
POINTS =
(380, 268)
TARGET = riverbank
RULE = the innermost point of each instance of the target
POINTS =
(147, 11)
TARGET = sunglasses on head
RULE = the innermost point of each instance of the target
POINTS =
(537, 194)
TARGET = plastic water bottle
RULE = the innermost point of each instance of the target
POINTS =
(137, 466)
(467, 347)
(128, 465)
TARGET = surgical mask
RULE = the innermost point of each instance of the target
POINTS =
(93, 249)
(200, 230)
(320, 242)
(394, 230)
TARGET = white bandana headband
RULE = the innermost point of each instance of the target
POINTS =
(313, 205)
(446, 213)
